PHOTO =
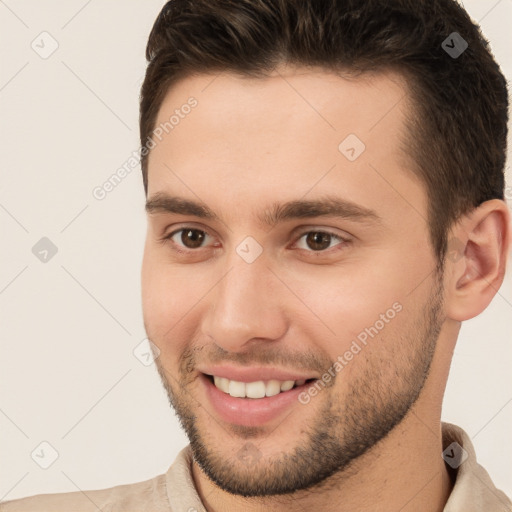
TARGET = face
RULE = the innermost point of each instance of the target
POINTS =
(287, 245)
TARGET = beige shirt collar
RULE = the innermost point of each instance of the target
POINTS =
(473, 490)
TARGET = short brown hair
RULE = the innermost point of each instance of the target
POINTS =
(457, 133)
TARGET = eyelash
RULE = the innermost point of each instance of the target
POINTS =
(179, 249)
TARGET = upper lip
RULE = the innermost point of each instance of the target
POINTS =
(253, 374)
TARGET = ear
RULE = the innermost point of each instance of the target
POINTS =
(476, 260)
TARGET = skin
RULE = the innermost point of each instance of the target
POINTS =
(251, 143)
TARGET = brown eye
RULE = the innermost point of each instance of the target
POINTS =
(318, 241)
(187, 238)
(192, 238)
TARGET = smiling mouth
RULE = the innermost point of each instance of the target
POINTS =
(257, 389)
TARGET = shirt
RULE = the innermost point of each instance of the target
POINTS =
(174, 491)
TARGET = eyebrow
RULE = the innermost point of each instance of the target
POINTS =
(326, 206)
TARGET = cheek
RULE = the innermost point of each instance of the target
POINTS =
(162, 296)
(360, 302)
(350, 301)
(171, 297)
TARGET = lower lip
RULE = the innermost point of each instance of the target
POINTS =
(250, 412)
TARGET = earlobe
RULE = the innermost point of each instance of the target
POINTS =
(476, 274)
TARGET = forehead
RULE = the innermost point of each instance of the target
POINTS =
(293, 132)
(323, 99)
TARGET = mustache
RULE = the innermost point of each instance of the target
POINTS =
(310, 361)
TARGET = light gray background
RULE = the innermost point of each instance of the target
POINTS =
(68, 375)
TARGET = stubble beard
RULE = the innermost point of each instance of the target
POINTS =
(344, 428)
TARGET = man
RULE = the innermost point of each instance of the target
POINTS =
(324, 186)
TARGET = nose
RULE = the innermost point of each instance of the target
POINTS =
(245, 306)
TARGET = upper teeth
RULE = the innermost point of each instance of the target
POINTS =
(257, 389)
